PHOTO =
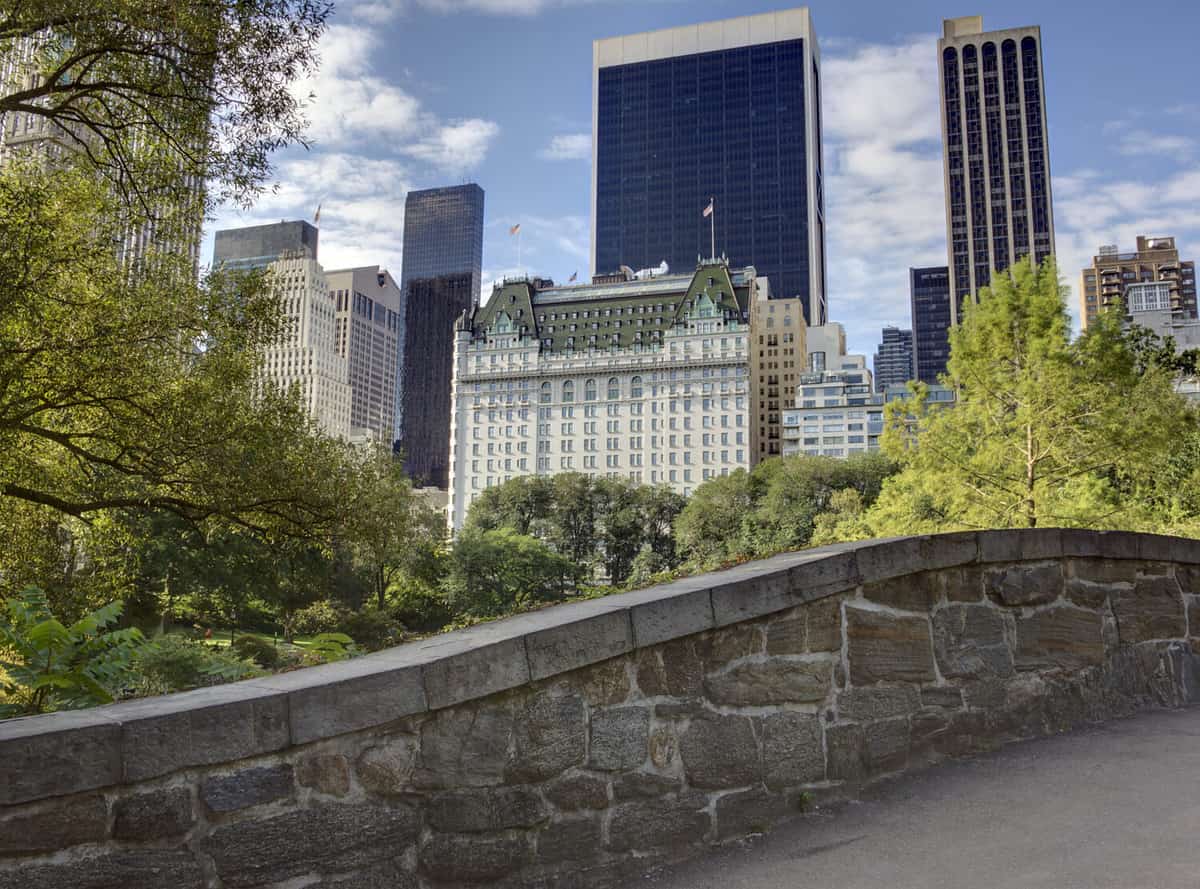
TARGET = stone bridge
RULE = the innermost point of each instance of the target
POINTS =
(585, 744)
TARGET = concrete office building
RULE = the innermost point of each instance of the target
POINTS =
(367, 303)
(646, 379)
(1151, 278)
(777, 358)
(929, 290)
(995, 152)
(728, 111)
(306, 354)
(431, 308)
(894, 358)
(443, 234)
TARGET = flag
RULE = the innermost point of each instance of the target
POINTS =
(317, 216)
(709, 209)
(574, 275)
(516, 228)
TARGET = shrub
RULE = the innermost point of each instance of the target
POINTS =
(176, 663)
(372, 629)
(257, 649)
(319, 617)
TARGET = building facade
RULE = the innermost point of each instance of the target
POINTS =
(306, 356)
(929, 290)
(368, 327)
(778, 355)
(995, 152)
(727, 111)
(443, 234)
(431, 308)
(646, 379)
(894, 359)
(1150, 279)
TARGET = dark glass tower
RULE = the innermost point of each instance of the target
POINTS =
(995, 152)
(443, 234)
(930, 291)
(894, 358)
(724, 110)
(257, 246)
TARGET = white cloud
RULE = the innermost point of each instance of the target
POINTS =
(1134, 144)
(455, 147)
(569, 147)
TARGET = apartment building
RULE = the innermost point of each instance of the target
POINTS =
(778, 355)
(1152, 278)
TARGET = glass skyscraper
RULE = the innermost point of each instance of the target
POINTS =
(930, 292)
(995, 151)
(727, 111)
(443, 234)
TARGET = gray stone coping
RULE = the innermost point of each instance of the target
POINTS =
(69, 752)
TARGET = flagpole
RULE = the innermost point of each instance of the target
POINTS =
(712, 222)
(520, 268)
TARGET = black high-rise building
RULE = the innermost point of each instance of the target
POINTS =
(432, 305)
(930, 292)
(728, 111)
(995, 151)
(258, 246)
(443, 234)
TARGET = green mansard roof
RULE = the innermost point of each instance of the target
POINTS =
(537, 309)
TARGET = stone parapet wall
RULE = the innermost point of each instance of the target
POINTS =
(584, 744)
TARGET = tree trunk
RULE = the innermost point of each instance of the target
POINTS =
(1030, 478)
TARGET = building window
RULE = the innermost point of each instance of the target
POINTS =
(568, 391)
(614, 389)
(545, 393)
(589, 390)
(635, 387)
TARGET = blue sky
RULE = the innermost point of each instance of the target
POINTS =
(419, 93)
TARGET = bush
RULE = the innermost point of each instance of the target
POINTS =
(319, 617)
(371, 629)
(257, 649)
(176, 663)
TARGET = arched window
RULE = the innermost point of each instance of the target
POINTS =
(635, 387)
(546, 393)
(614, 389)
(589, 390)
(568, 391)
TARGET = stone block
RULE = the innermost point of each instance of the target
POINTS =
(570, 793)
(947, 697)
(324, 773)
(719, 648)
(1185, 551)
(1156, 547)
(967, 733)
(924, 727)
(663, 746)
(720, 752)
(650, 824)
(1036, 583)
(1152, 610)
(333, 838)
(1063, 638)
(124, 868)
(1193, 611)
(246, 788)
(156, 815)
(671, 617)
(551, 737)
(474, 859)
(477, 672)
(585, 640)
(1117, 544)
(747, 812)
(643, 785)
(465, 747)
(792, 753)
(907, 556)
(1080, 543)
(962, 584)
(1188, 577)
(479, 810)
(208, 726)
(844, 745)
(788, 636)
(64, 823)
(819, 577)
(885, 746)
(58, 754)
(870, 704)
(674, 669)
(774, 681)
(746, 598)
(1091, 581)
(910, 592)
(603, 684)
(388, 875)
(824, 624)
(1020, 545)
(887, 648)
(569, 841)
(620, 738)
(386, 769)
(969, 642)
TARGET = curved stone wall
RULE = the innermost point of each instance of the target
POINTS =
(583, 744)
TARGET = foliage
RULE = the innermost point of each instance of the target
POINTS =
(46, 665)
(332, 647)
(492, 572)
(175, 663)
(249, 647)
(1045, 431)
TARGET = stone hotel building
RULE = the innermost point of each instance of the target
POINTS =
(641, 377)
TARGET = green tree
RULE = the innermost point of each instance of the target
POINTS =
(1044, 432)
(493, 572)
(711, 526)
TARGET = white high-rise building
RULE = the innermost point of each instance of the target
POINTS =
(645, 378)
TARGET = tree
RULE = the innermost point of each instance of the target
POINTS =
(493, 572)
(1044, 432)
(710, 527)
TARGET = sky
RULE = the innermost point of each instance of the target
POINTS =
(422, 93)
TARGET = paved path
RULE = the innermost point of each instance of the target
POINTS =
(1113, 806)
